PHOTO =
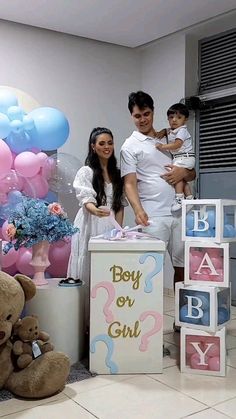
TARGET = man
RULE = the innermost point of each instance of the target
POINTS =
(148, 185)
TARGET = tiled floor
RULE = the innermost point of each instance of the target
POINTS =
(170, 395)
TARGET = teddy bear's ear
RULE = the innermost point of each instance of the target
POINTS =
(28, 286)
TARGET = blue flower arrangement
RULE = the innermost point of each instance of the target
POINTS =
(33, 221)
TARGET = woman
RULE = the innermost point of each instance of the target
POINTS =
(97, 184)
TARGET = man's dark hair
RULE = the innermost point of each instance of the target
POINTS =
(141, 99)
(178, 108)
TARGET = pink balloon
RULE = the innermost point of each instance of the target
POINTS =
(13, 159)
(36, 187)
(195, 262)
(214, 363)
(59, 258)
(12, 182)
(214, 252)
(27, 164)
(42, 157)
(10, 258)
(22, 264)
(5, 158)
(190, 349)
(3, 198)
(11, 270)
(213, 351)
(48, 167)
(217, 262)
(194, 362)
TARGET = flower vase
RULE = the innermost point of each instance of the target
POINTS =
(40, 262)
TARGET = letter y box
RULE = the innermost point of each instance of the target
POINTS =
(202, 352)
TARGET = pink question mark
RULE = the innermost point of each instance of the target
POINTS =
(157, 326)
(111, 295)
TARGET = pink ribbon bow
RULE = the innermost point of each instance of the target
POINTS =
(119, 233)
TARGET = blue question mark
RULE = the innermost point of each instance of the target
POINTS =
(110, 348)
(158, 267)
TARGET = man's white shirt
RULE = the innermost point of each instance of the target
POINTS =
(139, 156)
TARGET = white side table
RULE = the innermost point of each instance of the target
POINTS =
(61, 314)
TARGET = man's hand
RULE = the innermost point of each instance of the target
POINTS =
(141, 218)
(174, 175)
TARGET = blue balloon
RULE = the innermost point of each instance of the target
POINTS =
(7, 99)
(16, 126)
(205, 319)
(223, 315)
(15, 112)
(205, 300)
(5, 128)
(51, 128)
(229, 231)
(211, 218)
(51, 197)
(204, 233)
(19, 142)
(184, 312)
(28, 123)
(190, 221)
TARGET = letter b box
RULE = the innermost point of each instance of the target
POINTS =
(202, 307)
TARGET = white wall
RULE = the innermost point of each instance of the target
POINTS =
(88, 80)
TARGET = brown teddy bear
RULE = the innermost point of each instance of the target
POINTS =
(31, 343)
(47, 374)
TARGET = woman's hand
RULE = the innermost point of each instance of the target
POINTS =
(98, 212)
(102, 212)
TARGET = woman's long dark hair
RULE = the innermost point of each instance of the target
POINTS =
(92, 161)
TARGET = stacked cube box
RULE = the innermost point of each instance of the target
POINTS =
(202, 307)
(202, 352)
(211, 220)
(203, 301)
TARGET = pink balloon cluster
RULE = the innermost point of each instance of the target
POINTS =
(212, 357)
(27, 172)
(19, 261)
(205, 274)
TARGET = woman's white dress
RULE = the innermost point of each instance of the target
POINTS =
(88, 224)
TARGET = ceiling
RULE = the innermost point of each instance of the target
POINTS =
(129, 23)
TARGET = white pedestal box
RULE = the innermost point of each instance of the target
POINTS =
(202, 352)
(206, 264)
(126, 306)
(209, 220)
(61, 314)
(201, 307)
